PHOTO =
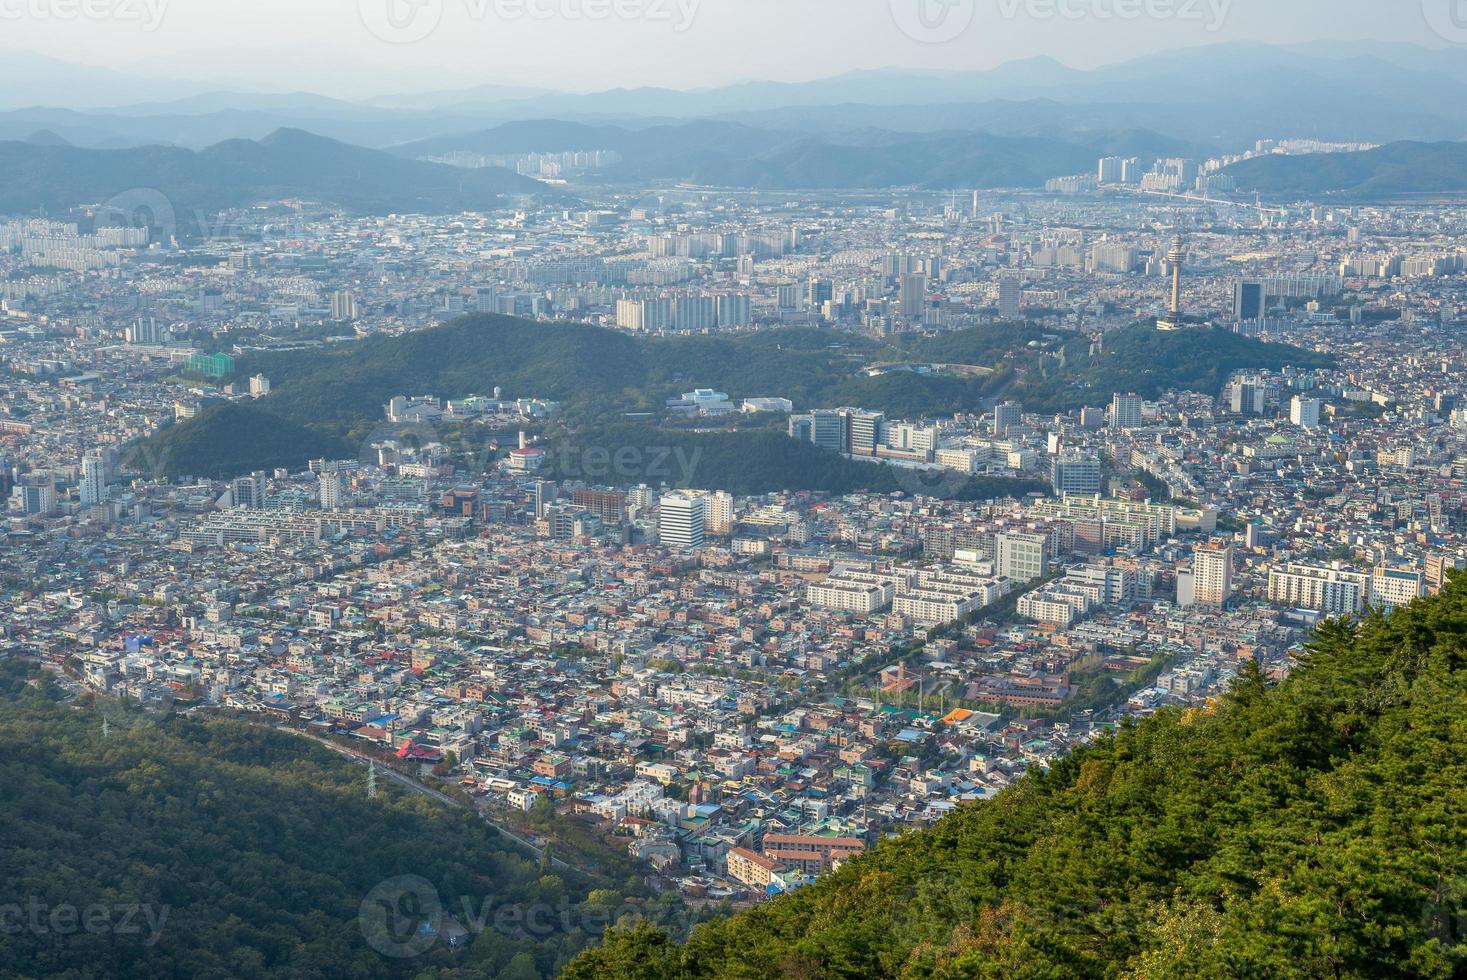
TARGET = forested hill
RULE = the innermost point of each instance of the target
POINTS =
(173, 847)
(1317, 828)
(329, 401)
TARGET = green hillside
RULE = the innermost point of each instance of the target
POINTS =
(1316, 828)
(1148, 361)
(1397, 168)
(247, 853)
(331, 400)
(230, 439)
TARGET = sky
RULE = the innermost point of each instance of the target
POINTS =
(359, 48)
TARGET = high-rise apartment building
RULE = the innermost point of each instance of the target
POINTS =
(1125, 411)
(1212, 574)
(93, 485)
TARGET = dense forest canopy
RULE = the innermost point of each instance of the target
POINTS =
(182, 847)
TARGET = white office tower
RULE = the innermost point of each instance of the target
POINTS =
(93, 480)
(1125, 412)
(1304, 412)
(249, 491)
(720, 513)
(683, 519)
(1212, 574)
(331, 491)
(259, 386)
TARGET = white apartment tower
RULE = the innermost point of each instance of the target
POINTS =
(1212, 574)
(93, 487)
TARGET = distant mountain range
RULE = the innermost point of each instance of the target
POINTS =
(1013, 126)
(45, 175)
(1226, 95)
(733, 155)
(1398, 168)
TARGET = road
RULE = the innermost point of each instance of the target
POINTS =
(407, 782)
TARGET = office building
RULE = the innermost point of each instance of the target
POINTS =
(1023, 557)
(683, 519)
(1304, 412)
(1076, 474)
(1248, 300)
(1007, 415)
(249, 491)
(830, 429)
(867, 432)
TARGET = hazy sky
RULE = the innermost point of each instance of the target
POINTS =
(362, 47)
